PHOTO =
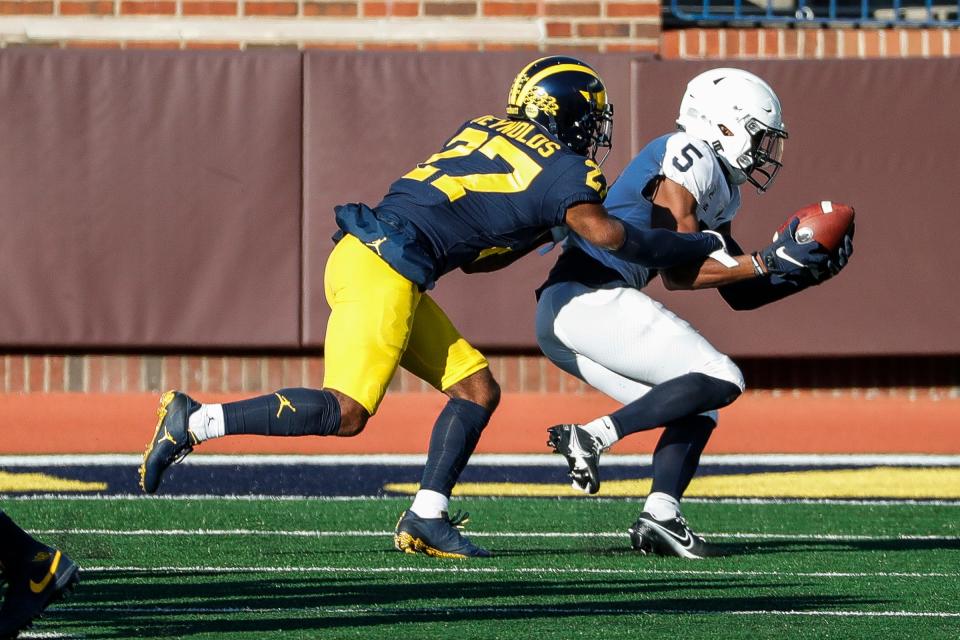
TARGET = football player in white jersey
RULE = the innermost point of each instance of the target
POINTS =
(594, 322)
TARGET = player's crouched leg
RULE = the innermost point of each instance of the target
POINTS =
(722, 367)
(427, 527)
(353, 415)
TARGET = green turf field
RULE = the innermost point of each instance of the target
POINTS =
(314, 568)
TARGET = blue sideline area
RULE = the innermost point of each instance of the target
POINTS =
(332, 480)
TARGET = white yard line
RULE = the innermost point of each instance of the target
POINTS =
(494, 460)
(294, 498)
(453, 568)
(456, 611)
(308, 533)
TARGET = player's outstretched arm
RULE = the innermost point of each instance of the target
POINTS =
(757, 292)
(675, 207)
(709, 274)
(656, 248)
(723, 267)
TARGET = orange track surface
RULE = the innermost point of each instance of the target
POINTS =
(757, 422)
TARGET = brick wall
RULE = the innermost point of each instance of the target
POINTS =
(471, 25)
(809, 43)
(485, 25)
(196, 373)
(117, 373)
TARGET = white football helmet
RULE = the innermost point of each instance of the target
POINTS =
(739, 115)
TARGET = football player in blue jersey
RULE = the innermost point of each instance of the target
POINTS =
(594, 322)
(491, 194)
(36, 576)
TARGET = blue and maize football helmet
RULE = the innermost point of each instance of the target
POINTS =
(567, 98)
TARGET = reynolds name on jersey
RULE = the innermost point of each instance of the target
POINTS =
(496, 185)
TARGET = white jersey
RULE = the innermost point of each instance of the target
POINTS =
(688, 161)
(610, 334)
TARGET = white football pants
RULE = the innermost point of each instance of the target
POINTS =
(622, 342)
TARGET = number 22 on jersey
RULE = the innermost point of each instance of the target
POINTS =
(471, 140)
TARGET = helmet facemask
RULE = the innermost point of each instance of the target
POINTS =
(765, 159)
(601, 133)
(592, 132)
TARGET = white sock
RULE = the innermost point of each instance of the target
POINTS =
(603, 430)
(662, 506)
(206, 422)
(429, 504)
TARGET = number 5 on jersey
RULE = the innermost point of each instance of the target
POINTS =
(687, 152)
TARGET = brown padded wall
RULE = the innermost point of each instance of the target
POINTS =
(880, 135)
(370, 117)
(149, 199)
(152, 199)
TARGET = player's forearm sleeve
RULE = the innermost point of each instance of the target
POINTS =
(753, 294)
(660, 248)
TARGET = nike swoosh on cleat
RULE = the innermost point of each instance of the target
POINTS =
(576, 448)
(686, 540)
(782, 253)
(38, 587)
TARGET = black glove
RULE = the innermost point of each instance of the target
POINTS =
(839, 260)
(805, 264)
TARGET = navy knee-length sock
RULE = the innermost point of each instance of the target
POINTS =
(287, 412)
(455, 436)
(677, 455)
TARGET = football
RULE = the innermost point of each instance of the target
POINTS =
(826, 222)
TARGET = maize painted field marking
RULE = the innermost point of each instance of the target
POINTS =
(299, 533)
(520, 570)
(456, 611)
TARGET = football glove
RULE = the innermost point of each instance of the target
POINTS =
(806, 263)
(837, 262)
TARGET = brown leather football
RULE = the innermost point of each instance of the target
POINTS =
(826, 222)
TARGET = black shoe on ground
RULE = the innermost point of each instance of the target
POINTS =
(437, 537)
(45, 578)
(582, 452)
(171, 441)
(666, 537)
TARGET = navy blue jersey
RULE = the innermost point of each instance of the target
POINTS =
(496, 186)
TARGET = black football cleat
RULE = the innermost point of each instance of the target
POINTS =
(666, 537)
(48, 576)
(582, 452)
(171, 441)
(436, 537)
